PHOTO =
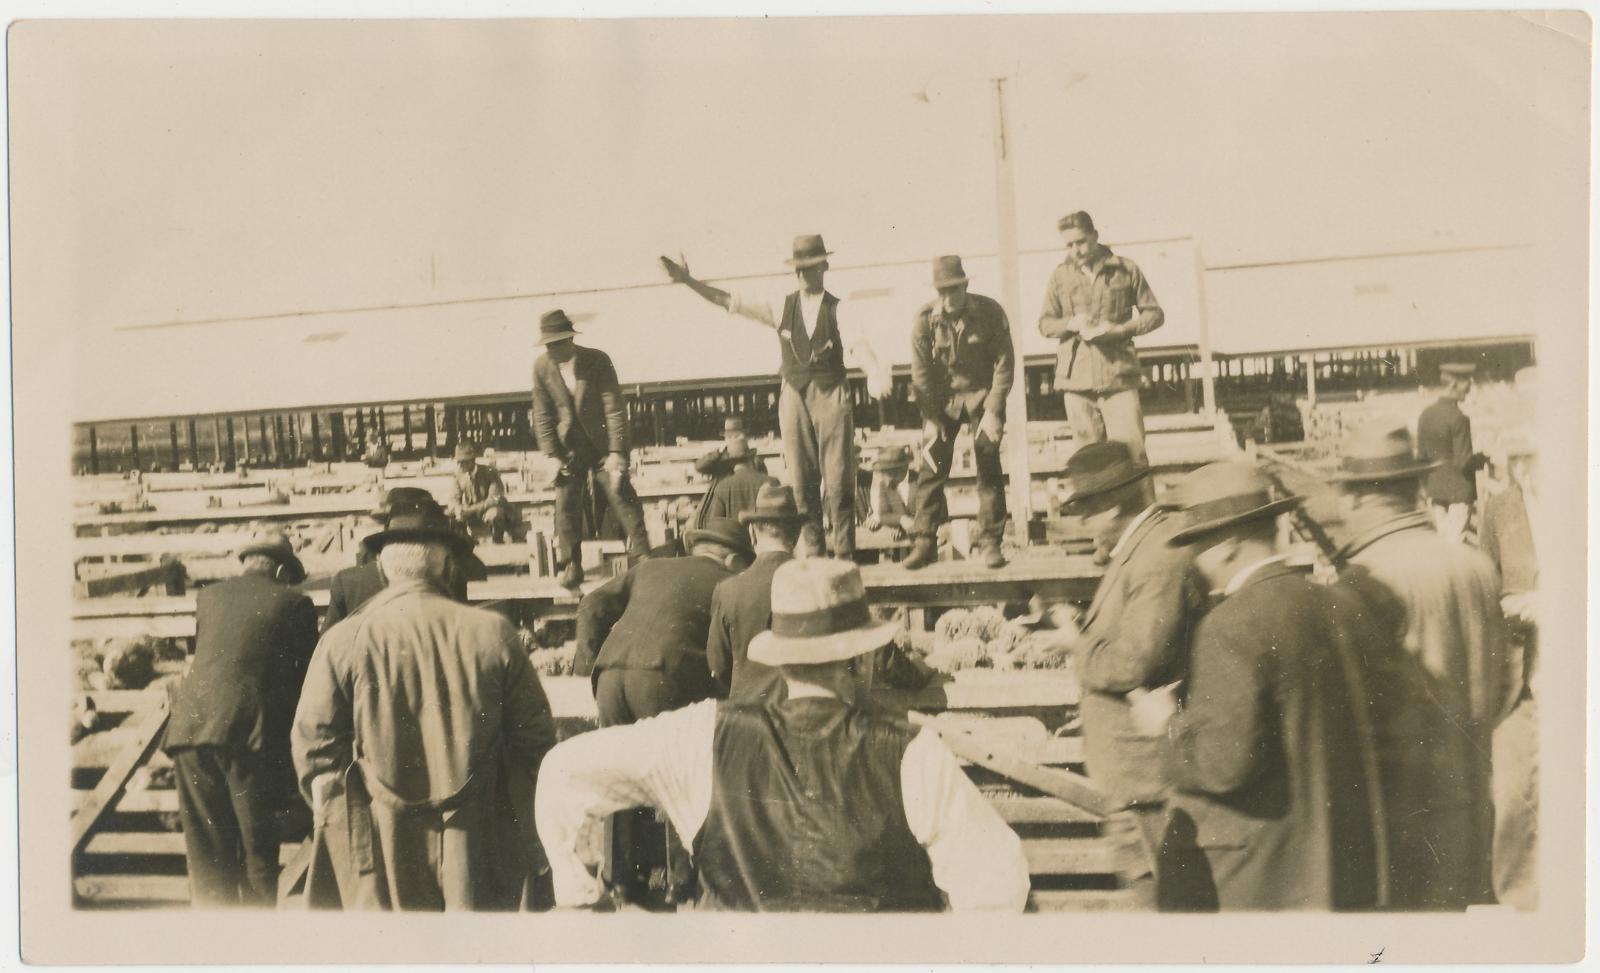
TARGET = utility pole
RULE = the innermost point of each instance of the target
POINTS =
(1005, 194)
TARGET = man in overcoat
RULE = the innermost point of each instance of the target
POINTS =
(228, 733)
(1134, 638)
(741, 606)
(419, 735)
(1454, 631)
(1444, 437)
(961, 371)
(815, 410)
(1508, 539)
(581, 420)
(1276, 800)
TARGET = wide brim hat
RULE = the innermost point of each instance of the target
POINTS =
(720, 530)
(774, 505)
(1380, 453)
(809, 250)
(1223, 495)
(400, 498)
(819, 615)
(948, 272)
(420, 525)
(555, 326)
(1099, 468)
(275, 544)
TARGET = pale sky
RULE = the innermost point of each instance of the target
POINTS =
(172, 171)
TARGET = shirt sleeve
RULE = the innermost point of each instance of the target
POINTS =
(322, 737)
(663, 762)
(753, 308)
(859, 352)
(1053, 318)
(977, 859)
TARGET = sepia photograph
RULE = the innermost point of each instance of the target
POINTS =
(955, 485)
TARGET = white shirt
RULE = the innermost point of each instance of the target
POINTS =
(858, 350)
(1133, 525)
(666, 762)
(569, 373)
(1243, 576)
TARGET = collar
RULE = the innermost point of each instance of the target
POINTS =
(1098, 261)
(1128, 531)
(1372, 525)
(1243, 577)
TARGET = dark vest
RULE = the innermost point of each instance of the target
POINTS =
(807, 815)
(815, 357)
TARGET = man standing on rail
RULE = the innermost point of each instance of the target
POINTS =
(815, 414)
(1444, 436)
(581, 420)
(815, 803)
(961, 369)
(1095, 305)
(228, 734)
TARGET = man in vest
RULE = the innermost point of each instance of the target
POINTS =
(961, 370)
(814, 407)
(1444, 436)
(480, 505)
(1095, 305)
(818, 803)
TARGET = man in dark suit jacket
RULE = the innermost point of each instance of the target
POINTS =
(1444, 436)
(228, 734)
(1273, 761)
(1134, 638)
(741, 607)
(962, 370)
(642, 640)
(734, 492)
(581, 420)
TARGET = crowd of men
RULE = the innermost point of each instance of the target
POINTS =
(1273, 737)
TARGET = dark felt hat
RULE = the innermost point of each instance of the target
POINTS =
(1379, 452)
(720, 530)
(399, 497)
(554, 326)
(1223, 495)
(809, 250)
(1099, 468)
(892, 458)
(774, 505)
(275, 544)
(420, 523)
(947, 272)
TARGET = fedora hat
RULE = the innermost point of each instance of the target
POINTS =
(774, 505)
(892, 458)
(947, 272)
(1222, 495)
(465, 450)
(1379, 452)
(420, 523)
(1099, 468)
(819, 615)
(809, 250)
(554, 326)
(720, 530)
(275, 544)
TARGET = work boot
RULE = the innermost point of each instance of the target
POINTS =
(993, 557)
(572, 575)
(924, 551)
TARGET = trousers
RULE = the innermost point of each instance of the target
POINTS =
(646, 863)
(818, 432)
(1516, 806)
(572, 489)
(227, 800)
(1096, 417)
(933, 510)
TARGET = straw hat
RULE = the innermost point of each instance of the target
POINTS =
(819, 615)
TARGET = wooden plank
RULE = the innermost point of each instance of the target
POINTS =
(121, 579)
(101, 750)
(157, 843)
(132, 888)
(963, 583)
(1028, 810)
(1072, 788)
(978, 689)
(1084, 900)
(1071, 856)
(118, 700)
(147, 726)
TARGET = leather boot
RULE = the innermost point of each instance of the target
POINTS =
(993, 557)
(572, 574)
(924, 551)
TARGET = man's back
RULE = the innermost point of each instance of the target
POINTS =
(253, 638)
(734, 494)
(1444, 434)
(807, 813)
(665, 615)
(742, 608)
(350, 589)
